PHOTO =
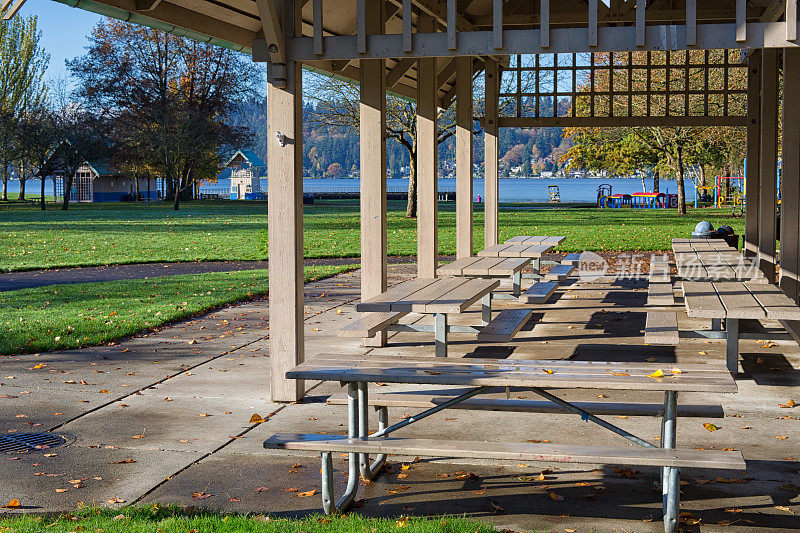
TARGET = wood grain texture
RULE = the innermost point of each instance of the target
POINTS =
(560, 453)
(539, 292)
(701, 300)
(661, 328)
(491, 154)
(505, 325)
(464, 196)
(514, 372)
(369, 324)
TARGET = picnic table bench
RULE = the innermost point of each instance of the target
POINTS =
(734, 301)
(483, 374)
(438, 297)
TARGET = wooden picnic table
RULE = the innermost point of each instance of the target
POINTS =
(439, 297)
(538, 376)
(708, 260)
(734, 301)
(536, 239)
(531, 251)
(489, 267)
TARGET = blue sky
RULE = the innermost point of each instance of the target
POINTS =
(64, 30)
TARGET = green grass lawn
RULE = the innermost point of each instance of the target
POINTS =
(99, 234)
(83, 314)
(175, 520)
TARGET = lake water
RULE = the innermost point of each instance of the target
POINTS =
(511, 190)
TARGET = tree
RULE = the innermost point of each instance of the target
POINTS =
(666, 149)
(37, 134)
(335, 170)
(22, 66)
(170, 99)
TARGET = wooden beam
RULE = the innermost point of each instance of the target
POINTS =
(691, 22)
(620, 121)
(497, 24)
(592, 23)
(372, 117)
(147, 5)
(452, 30)
(13, 10)
(464, 157)
(641, 8)
(491, 155)
(273, 33)
(408, 43)
(319, 48)
(285, 226)
(427, 162)
(398, 71)
(790, 177)
(791, 20)
(741, 20)
(768, 172)
(752, 161)
(544, 23)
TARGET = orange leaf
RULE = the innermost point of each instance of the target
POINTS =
(13, 504)
(546, 371)
(710, 427)
(657, 374)
(104, 391)
(556, 497)
(307, 493)
(788, 405)
(202, 495)
(256, 419)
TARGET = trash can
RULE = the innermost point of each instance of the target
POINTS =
(703, 230)
(726, 232)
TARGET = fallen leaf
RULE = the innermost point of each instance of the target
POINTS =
(619, 374)
(657, 374)
(496, 509)
(403, 522)
(256, 419)
(202, 495)
(307, 493)
(788, 405)
(262, 489)
(676, 371)
(62, 490)
(37, 367)
(546, 371)
(115, 499)
(124, 461)
(709, 426)
(399, 489)
(781, 437)
(13, 504)
(556, 497)
(782, 508)
(104, 391)
(139, 436)
(570, 530)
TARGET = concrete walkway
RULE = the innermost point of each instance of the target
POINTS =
(165, 418)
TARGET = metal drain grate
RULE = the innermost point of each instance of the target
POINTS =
(29, 442)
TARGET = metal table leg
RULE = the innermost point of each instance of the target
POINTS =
(732, 344)
(369, 471)
(440, 334)
(536, 264)
(670, 480)
(353, 460)
(716, 324)
(486, 309)
(516, 283)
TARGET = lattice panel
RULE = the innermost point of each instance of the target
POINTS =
(694, 83)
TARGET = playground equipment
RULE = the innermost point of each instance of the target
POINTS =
(639, 200)
(733, 194)
(553, 193)
(603, 192)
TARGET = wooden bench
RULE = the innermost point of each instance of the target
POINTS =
(660, 272)
(572, 259)
(370, 324)
(426, 401)
(659, 294)
(559, 272)
(539, 292)
(505, 451)
(661, 327)
(505, 325)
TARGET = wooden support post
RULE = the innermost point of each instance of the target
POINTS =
(497, 24)
(452, 31)
(372, 116)
(753, 160)
(790, 178)
(318, 27)
(791, 20)
(464, 157)
(592, 23)
(427, 160)
(285, 221)
(491, 158)
(768, 172)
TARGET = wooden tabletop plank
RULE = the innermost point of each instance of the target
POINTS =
(509, 266)
(517, 239)
(534, 251)
(513, 250)
(776, 304)
(738, 301)
(417, 301)
(490, 372)
(554, 240)
(701, 300)
(455, 268)
(463, 296)
(383, 302)
(493, 251)
(482, 267)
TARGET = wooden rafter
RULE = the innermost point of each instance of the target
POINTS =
(273, 33)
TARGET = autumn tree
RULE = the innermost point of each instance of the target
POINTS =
(37, 133)
(170, 99)
(22, 66)
(666, 149)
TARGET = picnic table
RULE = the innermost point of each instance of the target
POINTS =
(438, 297)
(734, 301)
(481, 375)
(712, 259)
(536, 239)
(489, 267)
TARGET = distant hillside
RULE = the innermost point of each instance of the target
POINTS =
(334, 152)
